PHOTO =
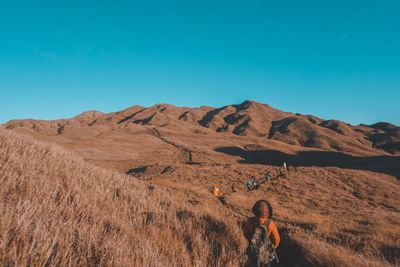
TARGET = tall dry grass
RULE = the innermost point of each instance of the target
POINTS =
(319, 252)
(56, 210)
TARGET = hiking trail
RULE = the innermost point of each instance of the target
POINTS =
(185, 152)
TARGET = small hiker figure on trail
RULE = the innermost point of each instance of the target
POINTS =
(262, 236)
(252, 184)
(217, 193)
(267, 176)
(282, 171)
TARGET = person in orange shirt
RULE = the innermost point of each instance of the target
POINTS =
(263, 213)
(216, 191)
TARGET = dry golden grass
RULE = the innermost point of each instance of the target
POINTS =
(324, 218)
(316, 251)
(56, 210)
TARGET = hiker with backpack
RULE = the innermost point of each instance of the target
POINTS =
(267, 176)
(252, 184)
(262, 235)
(217, 193)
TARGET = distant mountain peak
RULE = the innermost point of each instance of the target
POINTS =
(90, 113)
(384, 126)
(251, 103)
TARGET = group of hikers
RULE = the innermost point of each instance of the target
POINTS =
(253, 183)
(260, 231)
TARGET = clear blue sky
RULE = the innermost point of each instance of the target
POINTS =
(334, 59)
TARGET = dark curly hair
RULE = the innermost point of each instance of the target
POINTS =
(257, 205)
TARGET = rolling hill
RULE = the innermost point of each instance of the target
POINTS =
(132, 187)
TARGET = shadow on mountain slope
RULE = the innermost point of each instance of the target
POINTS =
(290, 253)
(381, 164)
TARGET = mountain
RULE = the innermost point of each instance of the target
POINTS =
(248, 119)
(58, 209)
(132, 187)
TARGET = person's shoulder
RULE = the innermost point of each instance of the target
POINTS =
(271, 224)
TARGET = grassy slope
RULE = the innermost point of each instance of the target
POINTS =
(56, 209)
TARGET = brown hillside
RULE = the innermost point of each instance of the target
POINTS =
(250, 119)
(337, 207)
(331, 136)
(58, 210)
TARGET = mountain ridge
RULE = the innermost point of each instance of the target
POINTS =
(249, 119)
